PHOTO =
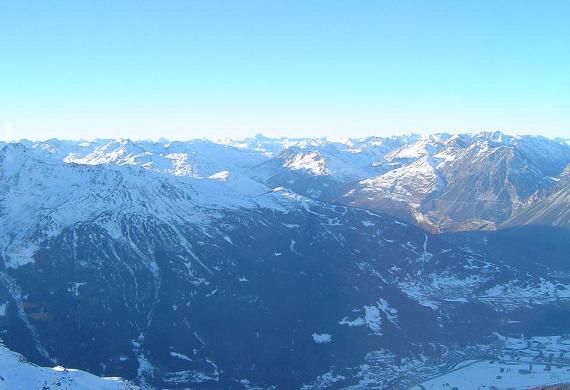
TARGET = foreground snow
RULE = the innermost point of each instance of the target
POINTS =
(16, 373)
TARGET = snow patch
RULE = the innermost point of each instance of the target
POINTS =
(180, 356)
(223, 176)
(373, 319)
(322, 338)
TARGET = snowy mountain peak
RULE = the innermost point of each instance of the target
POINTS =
(312, 162)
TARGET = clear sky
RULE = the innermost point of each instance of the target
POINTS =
(187, 68)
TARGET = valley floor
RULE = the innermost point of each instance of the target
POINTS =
(539, 361)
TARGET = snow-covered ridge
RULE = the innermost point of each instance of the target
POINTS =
(42, 193)
(407, 184)
(17, 373)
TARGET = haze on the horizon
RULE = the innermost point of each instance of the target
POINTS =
(186, 69)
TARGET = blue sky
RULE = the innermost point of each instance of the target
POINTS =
(184, 68)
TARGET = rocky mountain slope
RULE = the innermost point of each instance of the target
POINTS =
(465, 182)
(551, 209)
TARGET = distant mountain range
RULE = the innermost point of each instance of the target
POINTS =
(442, 182)
(356, 263)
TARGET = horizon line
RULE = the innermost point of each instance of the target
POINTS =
(260, 135)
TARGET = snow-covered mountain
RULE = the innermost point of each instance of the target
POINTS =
(272, 262)
(442, 182)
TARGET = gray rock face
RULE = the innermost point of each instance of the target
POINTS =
(552, 209)
(467, 182)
